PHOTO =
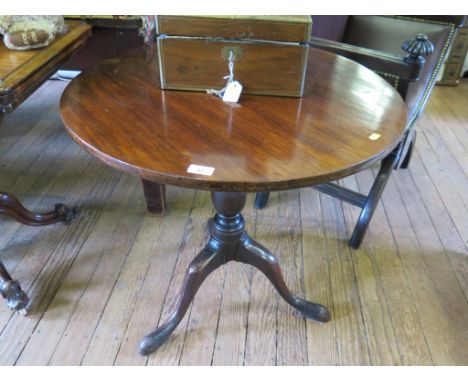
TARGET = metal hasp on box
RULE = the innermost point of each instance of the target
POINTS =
(270, 52)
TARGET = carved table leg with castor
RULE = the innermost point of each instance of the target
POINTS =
(11, 206)
(229, 242)
(10, 289)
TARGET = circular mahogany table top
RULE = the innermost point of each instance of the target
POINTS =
(117, 112)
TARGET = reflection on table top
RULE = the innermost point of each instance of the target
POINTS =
(348, 118)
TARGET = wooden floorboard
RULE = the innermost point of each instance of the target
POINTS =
(166, 247)
(102, 283)
(453, 244)
(376, 311)
(382, 248)
(428, 273)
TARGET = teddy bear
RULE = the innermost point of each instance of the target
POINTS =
(30, 32)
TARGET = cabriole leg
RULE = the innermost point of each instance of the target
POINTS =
(261, 258)
(11, 206)
(228, 242)
(11, 291)
(206, 262)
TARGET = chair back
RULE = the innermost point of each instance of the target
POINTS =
(387, 33)
(329, 27)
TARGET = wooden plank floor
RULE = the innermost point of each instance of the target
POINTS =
(100, 284)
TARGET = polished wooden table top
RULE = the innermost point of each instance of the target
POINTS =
(348, 118)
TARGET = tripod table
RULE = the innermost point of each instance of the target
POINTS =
(347, 119)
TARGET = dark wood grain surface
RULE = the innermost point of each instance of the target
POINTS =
(272, 28)
(117, 112)
(265, 68)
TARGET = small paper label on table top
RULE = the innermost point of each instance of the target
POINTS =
(200, 170)
(374, 136)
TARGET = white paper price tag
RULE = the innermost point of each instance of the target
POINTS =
(200, 170)
(232, 92)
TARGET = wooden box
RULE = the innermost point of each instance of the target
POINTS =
(270, 52)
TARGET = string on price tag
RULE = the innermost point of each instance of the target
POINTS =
(233, 89)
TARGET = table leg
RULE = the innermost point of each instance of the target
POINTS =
(155, 196)
(228, 242)
(261, 199)
(10, 289)
(11, 206)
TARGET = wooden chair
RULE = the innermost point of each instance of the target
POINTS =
(376, 42)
